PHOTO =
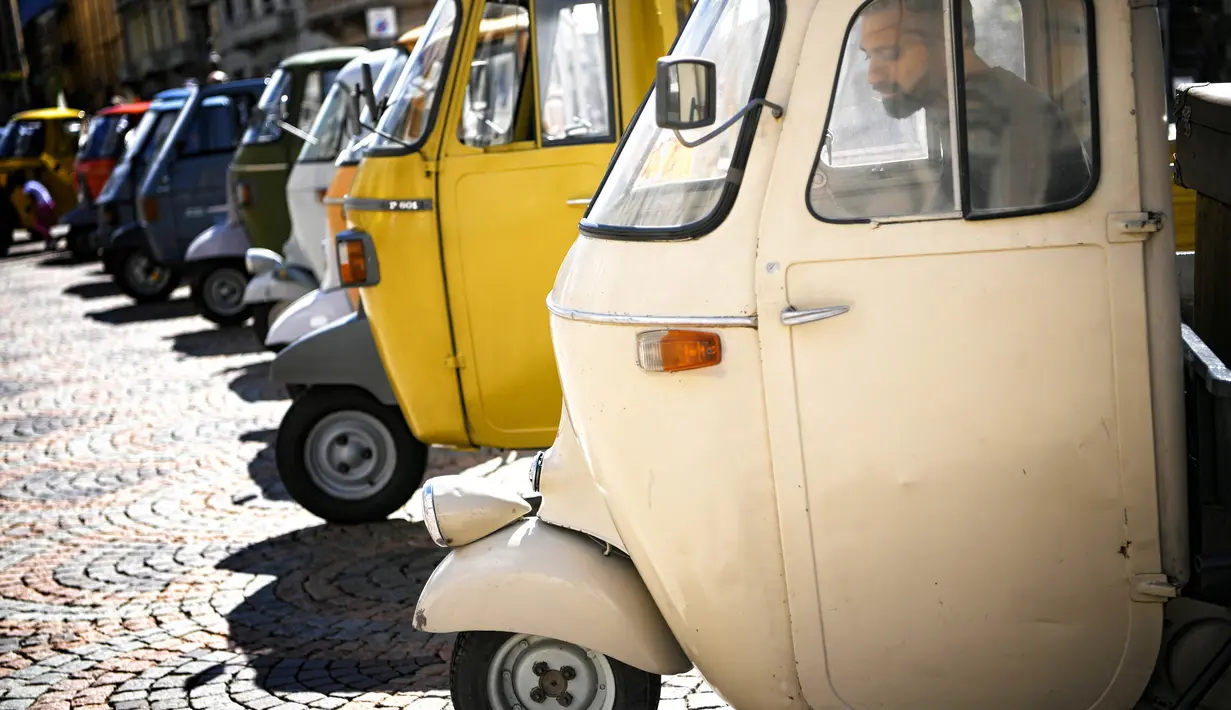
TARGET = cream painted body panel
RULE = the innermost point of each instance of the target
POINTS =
(571, 497)
(690, 490)
(304, 189)
(313, 310)
(531, 577)
(859, 571)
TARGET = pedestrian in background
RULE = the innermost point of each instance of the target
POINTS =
(41, 204)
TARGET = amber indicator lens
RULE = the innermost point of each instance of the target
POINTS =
(352, 262)
(677, 350)
(149, 207)
(243, 194)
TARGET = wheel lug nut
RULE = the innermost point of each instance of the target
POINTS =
(540, 668)
(537, 695)
(568, 672)
(366, 454)
(343, 440)
(565, 699)
(344, 468)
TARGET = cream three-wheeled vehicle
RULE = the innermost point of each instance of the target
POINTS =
(873, 385)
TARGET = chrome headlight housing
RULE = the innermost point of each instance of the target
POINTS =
(459, 509)
(429, 516)
(258, 261)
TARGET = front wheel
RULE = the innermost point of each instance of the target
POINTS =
(79, 244)
(346, 457)
(219, 294)
(142, 279)
(502, 671)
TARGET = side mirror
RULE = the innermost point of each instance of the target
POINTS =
(366, 88)
(686, 91)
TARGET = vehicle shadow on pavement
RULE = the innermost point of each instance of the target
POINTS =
(215, 341)
(263, 470)
(336, 619)
(59, 259)
(144, 312)
(254, 385)
(94, 289)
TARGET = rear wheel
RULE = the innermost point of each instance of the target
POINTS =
(346, 457)
(494, 670)
(219, 293)
(142, 279)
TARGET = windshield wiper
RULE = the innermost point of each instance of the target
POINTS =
(386, 136)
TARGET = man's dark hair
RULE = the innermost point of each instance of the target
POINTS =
(934, 8)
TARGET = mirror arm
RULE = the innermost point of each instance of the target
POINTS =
(384, 135)
(302, 135)
(774, 109)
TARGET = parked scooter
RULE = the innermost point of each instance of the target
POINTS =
(108, 135)
(118, 237)
(859, 413)
(496, 181)
(41, 145)
(255, 211)
(329, 301)
(277, 280)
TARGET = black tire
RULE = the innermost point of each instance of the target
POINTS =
(262, 318)
(215, 305)
(475, 651)
(306, 476)
(79, 245)
(135, 273)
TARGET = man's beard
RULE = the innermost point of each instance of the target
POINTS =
(898, 102)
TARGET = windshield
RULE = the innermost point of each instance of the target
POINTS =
(264, 127)
(384, 84)
(149, 135)
(329, 128)
(105, 137)
(656, 182)
(29, 139)
(414, 98)
(8, 140)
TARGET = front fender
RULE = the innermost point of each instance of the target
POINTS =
(341, 353)
(267, 288)
(228, 240)
(313, 311)
(531, 577)
(81, 217)
(130, 236)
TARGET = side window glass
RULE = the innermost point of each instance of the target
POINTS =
(313, 95)
(892, 147)
(493, 92)
(574, 86)
(213, 129)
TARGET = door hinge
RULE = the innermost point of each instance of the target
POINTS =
(455, 362)
(1154, 588)
(1133, 226)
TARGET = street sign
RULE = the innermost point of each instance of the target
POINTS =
(382, 23)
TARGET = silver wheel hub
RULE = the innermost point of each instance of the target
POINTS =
(224, 291)
(350, 455)
(530, 672)
(143, 274)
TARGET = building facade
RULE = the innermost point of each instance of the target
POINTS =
(164, 43)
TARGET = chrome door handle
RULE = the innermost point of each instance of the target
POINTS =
(791, 316)
(578, 202)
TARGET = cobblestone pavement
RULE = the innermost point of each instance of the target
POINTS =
(149, 556)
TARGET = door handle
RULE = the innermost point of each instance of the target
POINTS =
(578, 202)
(791, 316)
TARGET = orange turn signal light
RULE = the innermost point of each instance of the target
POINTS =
(352, 262)
(677, 350)
(149, 208)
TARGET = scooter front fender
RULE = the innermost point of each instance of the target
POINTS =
(341, 353)
(268, 288)
(228, 240)
(315, 310)
(534, 578)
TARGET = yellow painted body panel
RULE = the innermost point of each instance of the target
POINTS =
(468, 349)
(408, 309)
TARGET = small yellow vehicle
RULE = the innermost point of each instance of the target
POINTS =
(470, 194)
(41, 145)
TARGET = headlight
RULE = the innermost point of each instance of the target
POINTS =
(458, 510)
(258, 260)
(429, 517)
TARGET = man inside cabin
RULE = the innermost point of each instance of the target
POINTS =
(1022, 150)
